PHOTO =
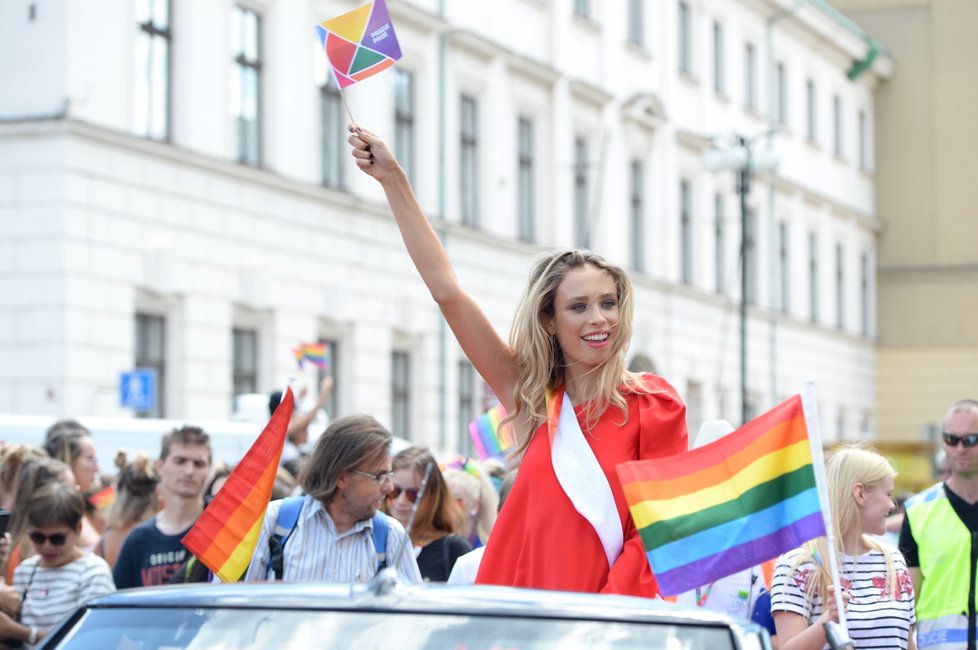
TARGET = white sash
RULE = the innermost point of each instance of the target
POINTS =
(583, 481)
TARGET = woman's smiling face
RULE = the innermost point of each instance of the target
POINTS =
(586, 318)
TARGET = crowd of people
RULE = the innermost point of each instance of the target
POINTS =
(351, 506)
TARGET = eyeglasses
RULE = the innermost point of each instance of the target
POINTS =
(968, 439)
(379, 477)
(56, 539)
(410, 493)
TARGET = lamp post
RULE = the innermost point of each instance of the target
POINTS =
(740, 156)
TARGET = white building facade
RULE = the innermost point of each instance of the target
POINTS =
(176, 192)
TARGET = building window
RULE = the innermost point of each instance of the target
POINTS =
(636, 22)
(811, 99)
(840, 288)
(864, 296)
(785, 267)
(719, 243)
(150, 342)
(837, 125)
(244, 361)
(863, 141)
(331, 369)
(401, 394)
(637, 217)
(782, 90)
(813, 276)
(581, 226)
(582, 8)
(685, 232)
(469, 163)
(467, 407)
(750, 251)
(526, 194)
(151, 100)
(718, 58)
(333, 153)
(404, 121)
(750, 76)
(685, 38)
(246, 83)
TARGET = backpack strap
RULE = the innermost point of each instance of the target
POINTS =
(288, 517)
(379, 532)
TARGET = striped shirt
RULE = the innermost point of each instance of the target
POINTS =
(315, 551)
(875, 618)
(53, 593)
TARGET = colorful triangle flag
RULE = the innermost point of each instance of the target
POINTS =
(359, 43)
(729, 505)
(226, 533)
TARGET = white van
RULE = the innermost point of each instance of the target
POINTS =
(229, 440)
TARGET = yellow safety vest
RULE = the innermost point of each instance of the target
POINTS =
(944, 550)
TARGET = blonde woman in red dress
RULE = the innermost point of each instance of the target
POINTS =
(576, 410)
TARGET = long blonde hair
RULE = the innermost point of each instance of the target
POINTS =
(848, 465)
(539, 357)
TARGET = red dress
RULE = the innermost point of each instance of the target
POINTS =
(540, 541)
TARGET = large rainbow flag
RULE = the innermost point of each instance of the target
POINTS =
(359, 43)
(727, 506)
(226, 533)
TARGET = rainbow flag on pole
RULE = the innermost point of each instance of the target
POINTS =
(359, 43)
(225, 534)
(489, 438)
(316, 354)
(727, 506)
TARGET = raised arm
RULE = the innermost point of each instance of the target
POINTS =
(487, 351)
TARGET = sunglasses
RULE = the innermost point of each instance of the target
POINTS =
(410, 493)
(968, 439)
(56, 539)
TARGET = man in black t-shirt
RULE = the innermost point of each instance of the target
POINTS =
(153, 551)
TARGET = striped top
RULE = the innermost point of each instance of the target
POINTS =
(875, 618)
(52, 593)
(315, 551)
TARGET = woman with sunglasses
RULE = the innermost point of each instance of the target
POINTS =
(439, 518)
(61, 576)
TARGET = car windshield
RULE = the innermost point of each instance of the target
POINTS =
(215, 629)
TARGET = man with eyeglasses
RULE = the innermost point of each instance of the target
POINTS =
(939, 540)
(345, 479)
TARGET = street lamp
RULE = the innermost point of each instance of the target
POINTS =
(740, 156)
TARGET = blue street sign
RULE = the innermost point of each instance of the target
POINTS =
(137, 389)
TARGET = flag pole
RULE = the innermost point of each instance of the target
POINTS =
(810, 409)
(343, 99)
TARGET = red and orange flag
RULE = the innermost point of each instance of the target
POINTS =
(226, 533)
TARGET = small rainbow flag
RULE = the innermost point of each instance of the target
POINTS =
(359, 43)
(316, 354)
(103, 499)
(488, 437)
(727, 506)
(226, 533)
